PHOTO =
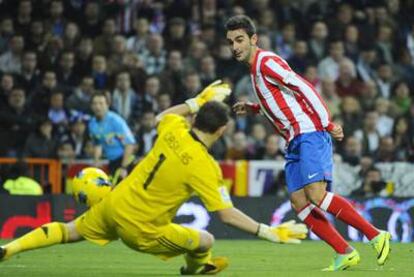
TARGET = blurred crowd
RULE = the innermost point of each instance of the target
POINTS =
(148, 55)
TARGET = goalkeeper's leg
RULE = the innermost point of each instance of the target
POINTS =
(46, 235)
(199, 260)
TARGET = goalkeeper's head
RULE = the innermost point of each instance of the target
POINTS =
(212, 119)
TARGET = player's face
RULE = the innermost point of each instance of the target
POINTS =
(241, 45)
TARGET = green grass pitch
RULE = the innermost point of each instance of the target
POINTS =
(247, 258)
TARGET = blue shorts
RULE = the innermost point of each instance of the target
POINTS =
(308, 160)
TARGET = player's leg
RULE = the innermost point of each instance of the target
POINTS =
(343, 210)
(200, 260)
(317, 222)
(46, 235)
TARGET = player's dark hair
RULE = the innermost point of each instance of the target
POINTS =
(241, 22)
(211, 117)
(100, 94)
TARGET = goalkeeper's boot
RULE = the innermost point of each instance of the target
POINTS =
(2, 253)
(381, 244)
(214, 266)
(343, 262)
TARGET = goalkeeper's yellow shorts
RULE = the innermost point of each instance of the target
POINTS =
(98, 226)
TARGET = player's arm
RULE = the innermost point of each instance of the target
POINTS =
(97, 153)
(276, 70)
(289, 232)
(216, 91)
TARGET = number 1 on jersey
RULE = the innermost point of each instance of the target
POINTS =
(157, 166)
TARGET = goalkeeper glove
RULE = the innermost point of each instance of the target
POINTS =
(288, 232)
(216, 91)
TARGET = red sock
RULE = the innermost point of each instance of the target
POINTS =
(317, 223)
(343, 210)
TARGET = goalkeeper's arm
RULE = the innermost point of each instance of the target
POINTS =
(216, 91)
(289, 232)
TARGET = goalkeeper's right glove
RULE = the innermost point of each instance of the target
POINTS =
(216, 91)
(288, 232)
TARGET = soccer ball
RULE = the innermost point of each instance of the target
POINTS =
(90, 186)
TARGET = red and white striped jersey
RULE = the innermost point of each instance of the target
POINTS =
(290, 102)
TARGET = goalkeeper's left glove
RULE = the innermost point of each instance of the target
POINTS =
(216, 91)
(288, 232)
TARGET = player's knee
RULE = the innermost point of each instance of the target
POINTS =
(315, 195)
(206, 241)
(73, 234)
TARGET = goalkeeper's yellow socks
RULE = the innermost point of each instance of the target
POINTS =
(46, 235)
(196, 261)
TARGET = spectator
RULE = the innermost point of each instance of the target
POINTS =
(299, 60)
(154, 56)
(350, 115)
(366, 62)
(400, 100)
(99, 72)
(23, 17)
(173, 74)
(318, 40)
(146, 134)
(384, 80)
(330, 95)
(84, 57)
(58, 114)
(29, 76)
(36, 40)
(385, 44)
(369, 135)
(56, 22)
(372, 185)
(124, 98)
(77, 136)
(116, 57)
(111, 135)
(71, 36)
(369, 94)
(385, 122)
(256, 138)
(329, 66)
(311, 75)
(51, 54)
(10, 61)
(175, 35)
(239, 150)
(41, 143)
(6, 32)
(285, 42)
(66, 75)
(132, 63)
(91, 24)
(164, 102)
(196, 52)
(386, 150)
(65, 152)
(207, 71)
(136, 43)
(102, 44)
(40, 98)
(351, 42)
(271, 150)
(80, 99)
(347, 83)
(401, 136)
(16, 122)
(352, 151)
(6, 86)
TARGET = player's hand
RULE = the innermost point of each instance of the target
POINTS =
(216, 91)
(288, 232)
(242, 108)
(337, 133)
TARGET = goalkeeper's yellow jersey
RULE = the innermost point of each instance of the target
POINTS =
(178, 167)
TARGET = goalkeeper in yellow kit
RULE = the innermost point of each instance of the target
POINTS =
(140, 209)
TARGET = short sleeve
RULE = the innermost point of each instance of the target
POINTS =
(125, 132)
(207, 182)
